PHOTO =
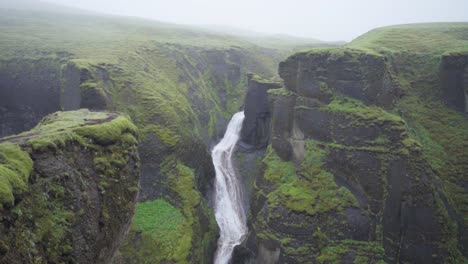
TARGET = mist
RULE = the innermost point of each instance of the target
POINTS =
(329, 20)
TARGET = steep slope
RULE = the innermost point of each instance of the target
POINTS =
(367, 161)
(68, 189)
(180, 85)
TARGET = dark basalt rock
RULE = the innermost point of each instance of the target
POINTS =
(31, 89)
(357, 74)
(454, 81)
(400, 216)
(242, 255)
(80, 199)
(255, 133)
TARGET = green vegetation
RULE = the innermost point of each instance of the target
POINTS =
(258, 79)
(166, 232)
(357, 109)
(416, 51)
(162, 222)
(430, 38)
(365, 252)
(280, 91)
(80, 126)
(335, 53)
(308, 188)
(53, 205)
(15, 167)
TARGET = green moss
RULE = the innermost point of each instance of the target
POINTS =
(88, 85)
(81, 126)
(107, 132)
(256, 78)
(441, 133)
(42, 224)
(174, 232)
(15, 167)
(356, 108)
(421, 38)
(277, 170)
(183, 183)
(309, 188)
(281, 92)
(160, 220)
(166, 135)
(363, 251)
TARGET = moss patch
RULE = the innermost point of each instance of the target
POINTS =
(83, 126)
(309, 187)
(364, 252)
(15, 167)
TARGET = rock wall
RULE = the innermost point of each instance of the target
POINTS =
(31, 89)
(354, 73)
(255, 131)
(80, 191)
(454, 81)
(343, 180)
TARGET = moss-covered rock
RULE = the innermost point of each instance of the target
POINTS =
(375, 193)
(80, 174)
(355, 73)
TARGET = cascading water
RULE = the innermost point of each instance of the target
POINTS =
(229, 211)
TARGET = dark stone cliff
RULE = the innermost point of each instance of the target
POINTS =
(344, 181)
(454, 80)
(255, 131)
(73, 183)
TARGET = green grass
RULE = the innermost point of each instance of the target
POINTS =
(161, 220)
(82, 126)
(433, 38)
(308, 188)
(359, 110)
(15, 167)
(364, 252)
(169, 233)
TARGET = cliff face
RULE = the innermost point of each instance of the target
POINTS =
(80, 173)
(255, 131)
(344, 180)
(454, 80)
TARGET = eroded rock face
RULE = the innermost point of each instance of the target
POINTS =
(31, 89)
(353, 73)
(454, 81)
(81, 193)
(255, 132)
(344, 182)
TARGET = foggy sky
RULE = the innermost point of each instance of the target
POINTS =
(322, 19)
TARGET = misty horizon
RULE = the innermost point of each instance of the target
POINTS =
(333, 20)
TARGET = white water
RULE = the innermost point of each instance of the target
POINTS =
(229, 210)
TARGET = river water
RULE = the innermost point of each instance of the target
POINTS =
(229, 211)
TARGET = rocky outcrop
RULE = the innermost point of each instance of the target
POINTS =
(361, 75)
(454, 80)
(31, 89)
(80, 173)
(343, 180)
(255, 131)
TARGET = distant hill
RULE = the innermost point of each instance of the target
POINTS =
(427, 37)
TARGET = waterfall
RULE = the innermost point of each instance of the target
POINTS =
(229, 211)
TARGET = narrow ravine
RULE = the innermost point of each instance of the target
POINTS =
(229, 211)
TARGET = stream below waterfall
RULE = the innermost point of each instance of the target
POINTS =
(229, 209)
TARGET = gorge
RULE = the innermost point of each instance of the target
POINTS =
(126, 145)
